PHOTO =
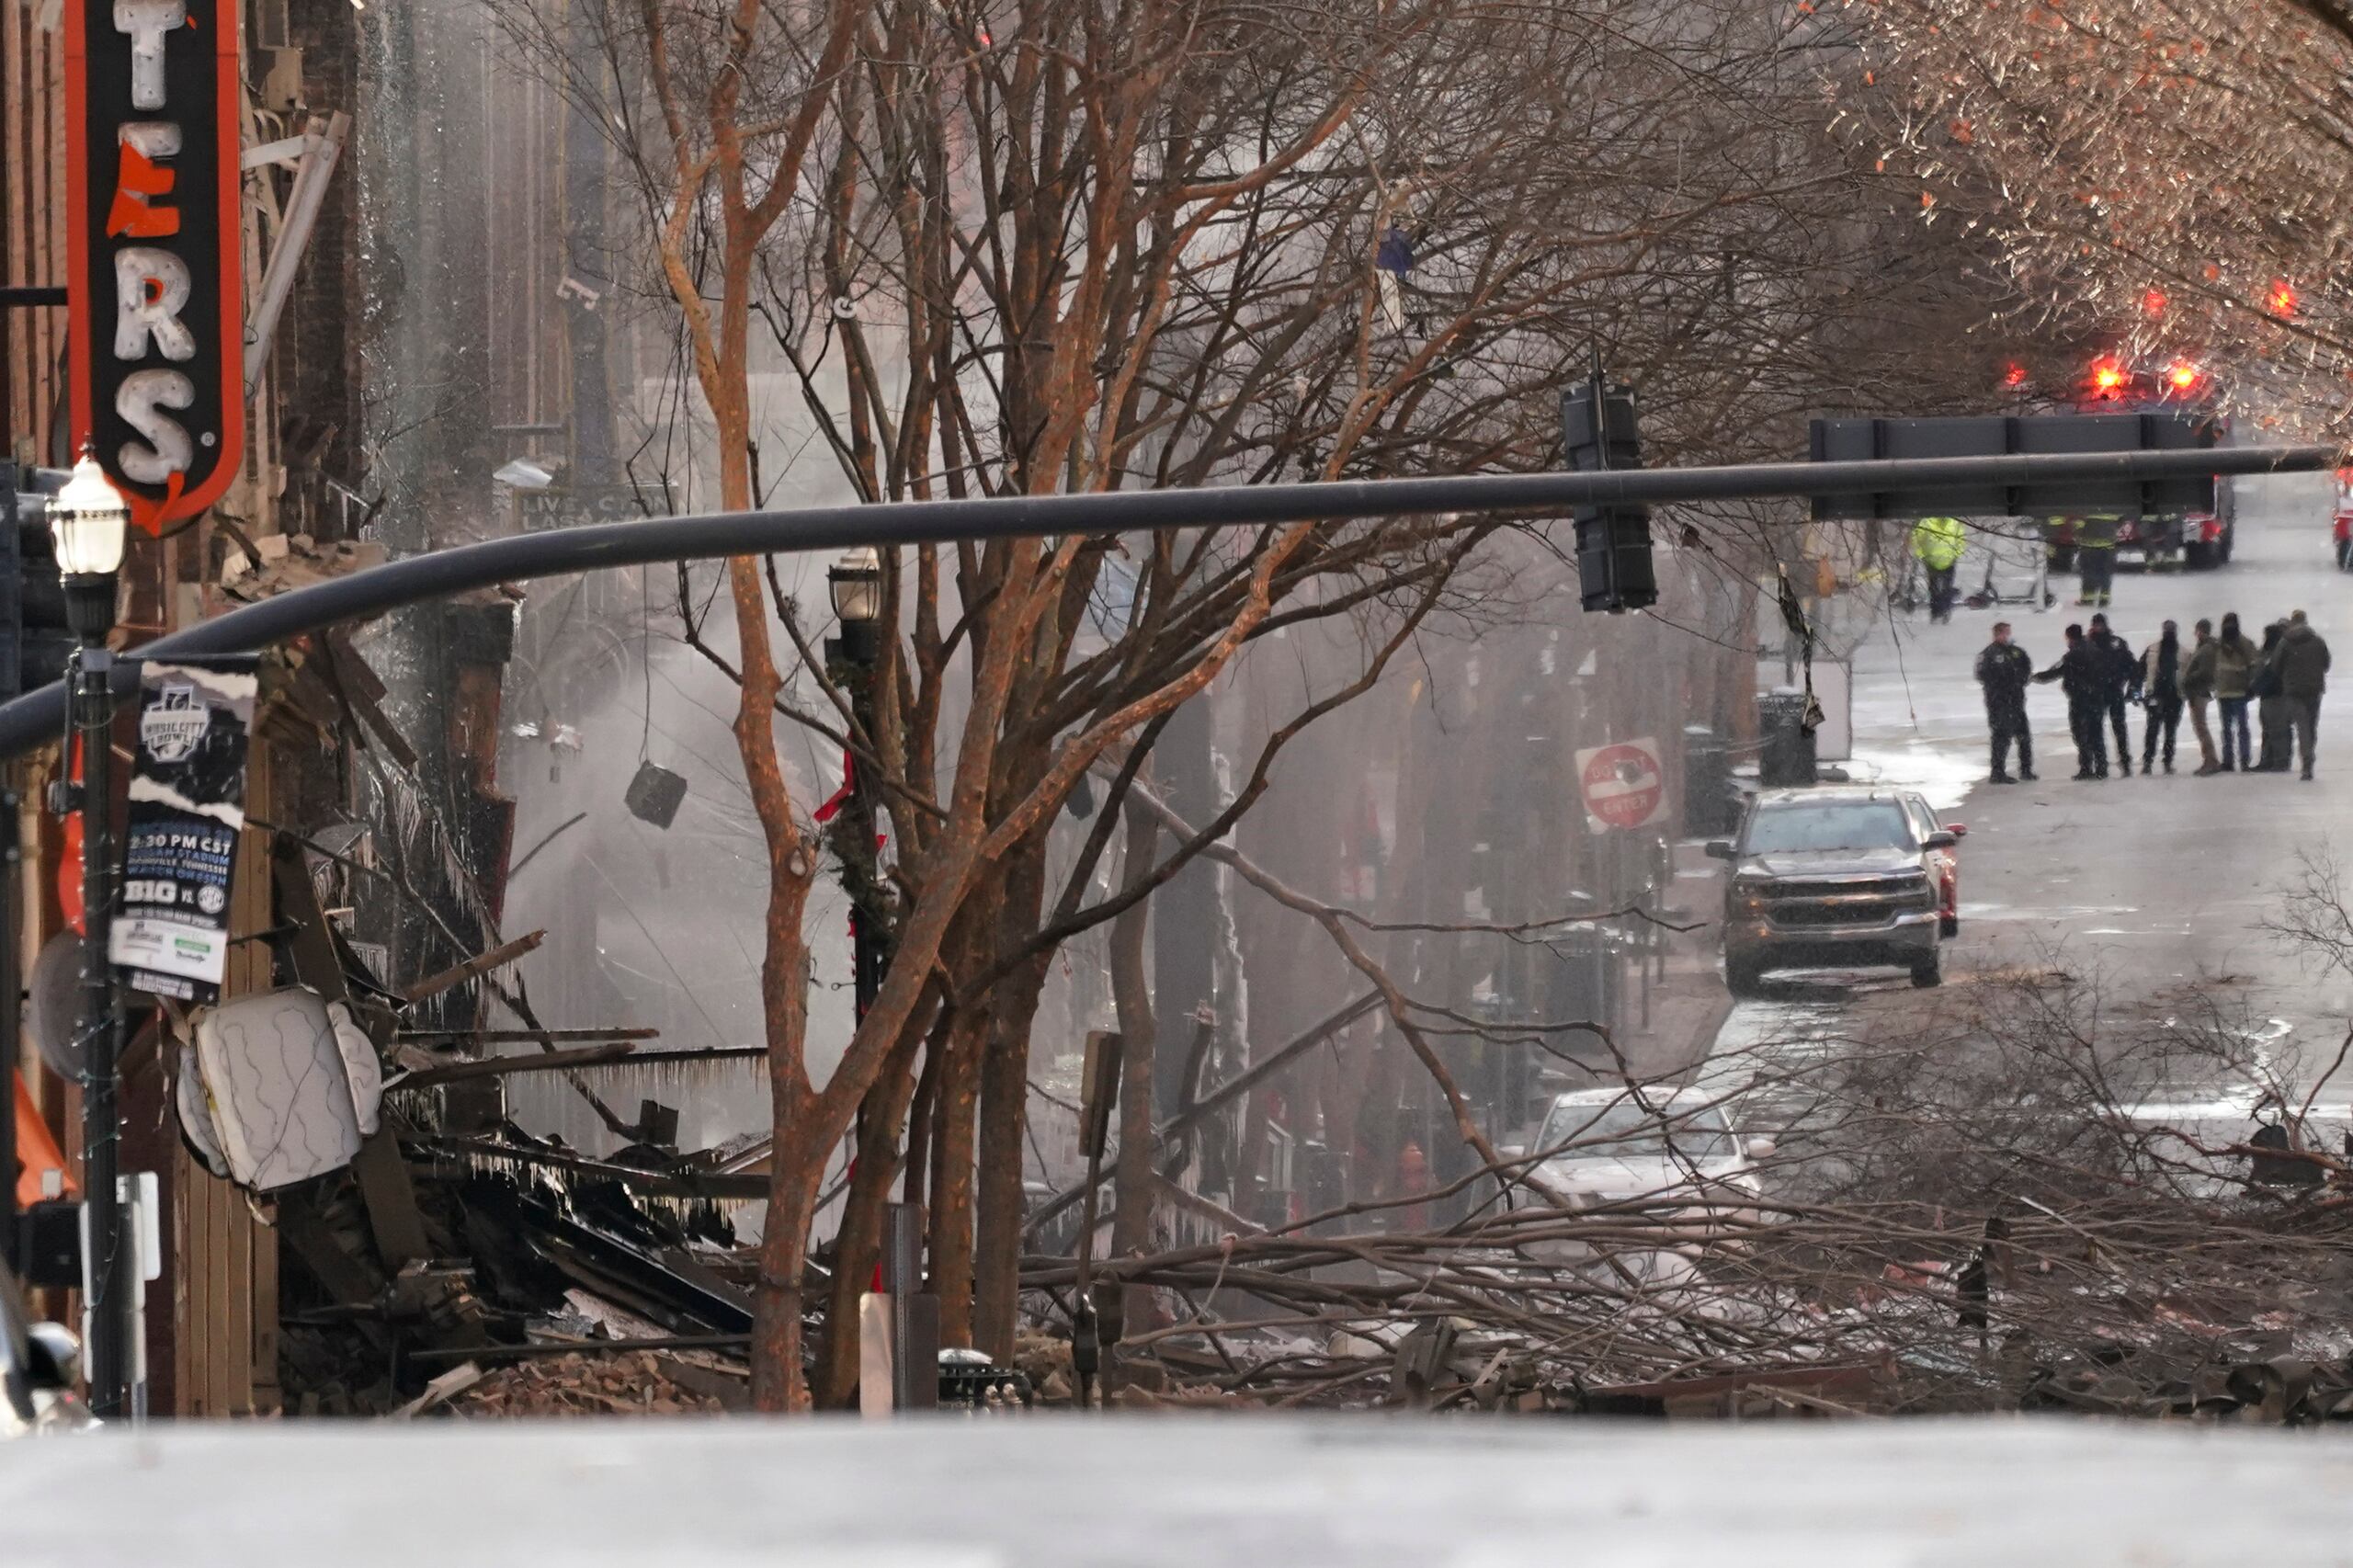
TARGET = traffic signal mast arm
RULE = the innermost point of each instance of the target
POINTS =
(35, 718)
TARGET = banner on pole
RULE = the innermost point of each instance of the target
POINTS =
(188, 806)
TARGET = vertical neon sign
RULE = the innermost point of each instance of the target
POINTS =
(153, 289)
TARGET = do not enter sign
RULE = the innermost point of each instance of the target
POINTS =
(1623, 784)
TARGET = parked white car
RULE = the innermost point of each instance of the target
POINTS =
(1647, 1143)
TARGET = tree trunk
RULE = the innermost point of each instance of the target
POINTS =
(776, 1381)
(858, 1244)
(952, 1161)
(1184, 964)
(797, 1152)
(1131, 994)
(1004, 1091)
(1004, 1109)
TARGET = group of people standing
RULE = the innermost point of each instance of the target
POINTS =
(2284, 677)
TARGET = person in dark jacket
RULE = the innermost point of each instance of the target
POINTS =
(2161, 692)
(2120, 679)
(2273, 748)
(2234, 656)
(2081, 674)
(2302, 665)
(2002, 671)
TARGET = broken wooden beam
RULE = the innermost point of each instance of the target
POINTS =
(660, 1184)
(394, 1218)
(587, 1346)
(480, 964)
(500, 1066)
(615, 1051)
(521, 1037)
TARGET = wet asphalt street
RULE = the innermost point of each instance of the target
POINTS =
(2158, 888)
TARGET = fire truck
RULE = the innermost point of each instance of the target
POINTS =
(2112, 384)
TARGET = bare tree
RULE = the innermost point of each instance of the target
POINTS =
(2169, 170)
(1066, 249)
(2031, 1201)
(717, 107)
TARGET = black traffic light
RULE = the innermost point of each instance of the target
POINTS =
(1601, 430)
(35, 640)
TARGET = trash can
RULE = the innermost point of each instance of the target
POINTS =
(1788, 757)
(1708, 804)
(1585, 985)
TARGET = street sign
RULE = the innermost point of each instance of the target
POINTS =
(537, 511)
(1623, 784)
(1834, 693)
(2122, 494)
(154, 296)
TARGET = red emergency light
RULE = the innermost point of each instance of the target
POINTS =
(2183, 376)
(2107, 377)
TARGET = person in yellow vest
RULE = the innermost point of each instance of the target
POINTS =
(2095, 557)
(1937, 544)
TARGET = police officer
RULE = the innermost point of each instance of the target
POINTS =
(2095, 557)
(1937, 544)
(2004, 670)
(2120, 682)
(2081, 675)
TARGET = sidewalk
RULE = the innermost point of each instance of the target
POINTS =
(1689, 1005)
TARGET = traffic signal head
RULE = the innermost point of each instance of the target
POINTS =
(1601, 430)
(1614, 569)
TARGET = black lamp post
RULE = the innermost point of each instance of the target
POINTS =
(87, 520)
(856, 584)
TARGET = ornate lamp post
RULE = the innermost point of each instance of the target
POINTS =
(856, 584)
(88, 521)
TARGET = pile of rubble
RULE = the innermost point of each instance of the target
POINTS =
(641, 1383)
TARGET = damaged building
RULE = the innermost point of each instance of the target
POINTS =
(369, 923)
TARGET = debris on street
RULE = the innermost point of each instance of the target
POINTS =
(636, 1384)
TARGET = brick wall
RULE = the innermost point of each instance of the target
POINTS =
(33, 232)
